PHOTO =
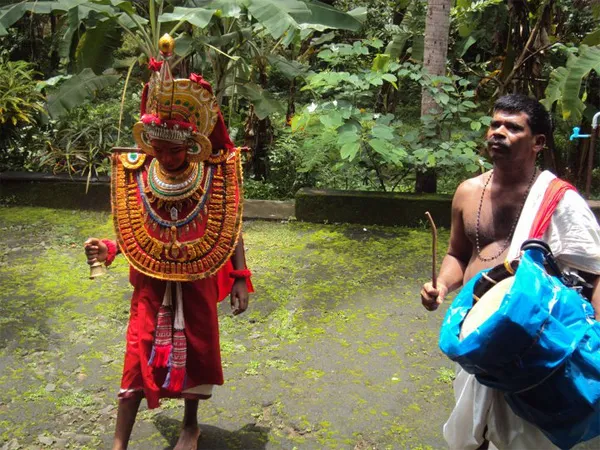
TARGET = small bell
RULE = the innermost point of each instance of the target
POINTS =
(97, 270)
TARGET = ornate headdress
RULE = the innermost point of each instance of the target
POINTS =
(176, 110)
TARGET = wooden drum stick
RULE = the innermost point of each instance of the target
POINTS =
(434, 249)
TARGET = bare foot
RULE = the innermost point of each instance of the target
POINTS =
(188, 438)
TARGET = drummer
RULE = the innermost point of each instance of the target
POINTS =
(492, 214)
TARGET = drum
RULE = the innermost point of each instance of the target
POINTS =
(520, 329)
(488, 294)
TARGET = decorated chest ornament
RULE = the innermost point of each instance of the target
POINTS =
(175, 110)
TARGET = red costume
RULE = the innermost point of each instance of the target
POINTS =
(178, 231)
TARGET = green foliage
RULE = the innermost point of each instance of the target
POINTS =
(20, 106)
(380, 144)
(565, 86)
(96, 47)
(80, 141)
(225, 30)
(20, 103)
(467, 12)
(356, 96)
(84, 138)
(409, 34)
(261, 190)
(592, 38)
(264, 103)
(305, 158)
(76, 89)
(450, 137)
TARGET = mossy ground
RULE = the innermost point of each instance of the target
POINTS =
(335, 350)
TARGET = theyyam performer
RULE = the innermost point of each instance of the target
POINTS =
(177, 209)
(492, 215)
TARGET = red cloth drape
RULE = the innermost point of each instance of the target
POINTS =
(553, 195)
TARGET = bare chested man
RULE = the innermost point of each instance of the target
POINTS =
(485, 209)
(485, 213)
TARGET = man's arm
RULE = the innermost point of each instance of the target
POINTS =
(238, 259)
(101, 250)
(455, 262)
(239, 291)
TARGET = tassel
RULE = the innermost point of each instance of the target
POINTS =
(161, 350)
(175, 380)
(160, 355)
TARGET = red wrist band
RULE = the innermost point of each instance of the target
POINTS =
(244, 273)
(112, 251)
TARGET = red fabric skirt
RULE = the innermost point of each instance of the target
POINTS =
(203, 362)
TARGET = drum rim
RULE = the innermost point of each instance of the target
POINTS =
(493, 276)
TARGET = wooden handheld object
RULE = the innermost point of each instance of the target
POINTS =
(433, 249)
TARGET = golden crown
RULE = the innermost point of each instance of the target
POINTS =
(176, 110)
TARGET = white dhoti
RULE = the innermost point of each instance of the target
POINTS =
(482, 413)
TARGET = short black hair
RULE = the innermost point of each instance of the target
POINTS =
(538, 118)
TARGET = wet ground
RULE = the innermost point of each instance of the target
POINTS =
(334, 352)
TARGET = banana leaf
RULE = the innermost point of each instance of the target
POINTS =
(76, 90)
(566, 82)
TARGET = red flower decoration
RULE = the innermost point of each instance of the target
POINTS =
(154, 65)
(150, 118)
(196, 78)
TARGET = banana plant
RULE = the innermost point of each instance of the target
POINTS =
(248, 37)
(565, 86)
(196, 26)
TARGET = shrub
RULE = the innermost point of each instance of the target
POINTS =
(80, 142)
(20, 105)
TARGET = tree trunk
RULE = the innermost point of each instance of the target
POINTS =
(291, 108)
(258, 136)
(437, 29)
(259, 132)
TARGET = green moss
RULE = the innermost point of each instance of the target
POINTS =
(334, 306)
(446, 375)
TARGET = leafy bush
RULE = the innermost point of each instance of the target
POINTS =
(260, 190)
(20, 105)
(285, 176)
(79, 143)
(304, 159)
(386, 149)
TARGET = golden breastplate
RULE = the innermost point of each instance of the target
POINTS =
(179, 228)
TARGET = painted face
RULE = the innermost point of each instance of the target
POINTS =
(170, 155)
(509, 138)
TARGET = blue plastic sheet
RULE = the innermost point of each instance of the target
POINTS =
(541, 348)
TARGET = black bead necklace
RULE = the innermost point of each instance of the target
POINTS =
(512, 228)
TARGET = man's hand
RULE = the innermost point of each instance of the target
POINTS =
(431, 297)
(95, 250)
(239, 296)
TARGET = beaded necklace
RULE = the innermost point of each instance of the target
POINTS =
(163, 186)
(512, 228)
(181, 222)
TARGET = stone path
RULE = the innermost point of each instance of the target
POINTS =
(334, 352)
